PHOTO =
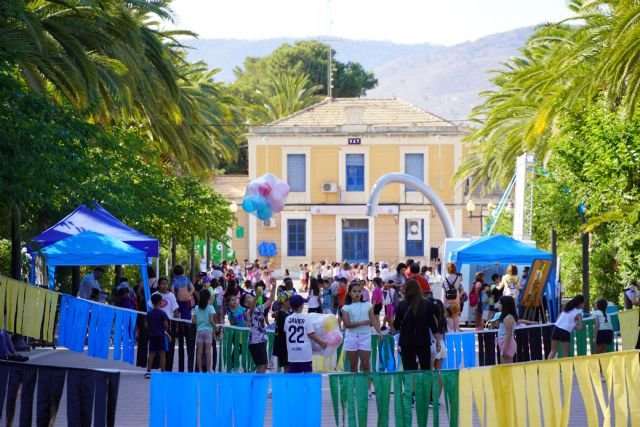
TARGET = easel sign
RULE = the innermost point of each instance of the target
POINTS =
(538, 275)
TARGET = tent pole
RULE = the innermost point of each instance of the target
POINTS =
(173, 251)
(75, 280)
(208, 251)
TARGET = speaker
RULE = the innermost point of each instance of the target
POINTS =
(434, 253)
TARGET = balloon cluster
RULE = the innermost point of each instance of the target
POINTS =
(326, 328)
(265, 196)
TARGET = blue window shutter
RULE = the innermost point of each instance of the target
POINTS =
(414, 166)
(355, 172)
(297, 237)
(297, 172)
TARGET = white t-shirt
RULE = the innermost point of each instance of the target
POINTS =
(358, 311)
(297, 328)
(603, 325)
(324, 271)
(313, 300)
(168, 304)
(371, 272)
(217, 295)
(387, 296)
(336, 271)
(511, 286)
(567, 321)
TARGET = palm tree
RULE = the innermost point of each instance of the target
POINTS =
(283, 95)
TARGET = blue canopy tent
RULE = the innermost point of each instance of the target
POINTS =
(100, 221)
(90, 248)
(505, 250)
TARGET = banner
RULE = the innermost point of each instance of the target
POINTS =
(349, 396)
(517, 395)
(629, 328)
(231, 392)
(91, 399)
(30, 310)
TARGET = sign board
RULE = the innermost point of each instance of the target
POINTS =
(354, 141)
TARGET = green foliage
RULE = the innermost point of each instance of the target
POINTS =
(308, 58)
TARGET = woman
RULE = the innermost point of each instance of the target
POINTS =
(315, 296)
(414, 319)
(357, 318)
(475, 297)
(603, 328)
(510, 284)
(452, 290)
(569, 320)
(508, 319)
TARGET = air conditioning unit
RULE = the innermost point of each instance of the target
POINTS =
(329, 187)
(270, 223)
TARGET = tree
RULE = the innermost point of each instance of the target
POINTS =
(283, 95)
(109, 60)
(304, 57)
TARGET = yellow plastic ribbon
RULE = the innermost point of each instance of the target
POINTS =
(629, 328)
(594, 371)
(620, 392)
(518, 383)
(50, 323)
(29, 309)
(477, 385)
(467, 377)
(633, 386)
(581, 367)
(11, 305)
(533, 395)
(566, 369)
(549, 375)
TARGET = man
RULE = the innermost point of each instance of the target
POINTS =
(89, 282)
(631, 298)
(414, 270)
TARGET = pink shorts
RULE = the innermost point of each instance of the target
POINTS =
(510, 349)
(389, 310)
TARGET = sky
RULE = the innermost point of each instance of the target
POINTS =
(446, 22)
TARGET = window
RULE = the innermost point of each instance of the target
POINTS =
(297, 173)
(297, 237)
(355, 172)
(414, 166)
(355, 240)
(414, 237)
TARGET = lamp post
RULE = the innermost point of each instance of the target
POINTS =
(471, 207)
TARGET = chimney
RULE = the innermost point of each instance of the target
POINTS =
(354, 114)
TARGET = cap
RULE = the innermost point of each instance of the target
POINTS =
(284, 296)
(206, 279)
(296, 301)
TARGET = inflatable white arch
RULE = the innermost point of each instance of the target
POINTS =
(418, 185)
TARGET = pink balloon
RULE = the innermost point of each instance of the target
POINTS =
(264, 189)
(282, 189)
(277, 205)
(252, 188)
(333, 339)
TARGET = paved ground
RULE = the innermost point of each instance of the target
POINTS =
(133, 400)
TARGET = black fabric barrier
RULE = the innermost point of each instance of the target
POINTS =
(92, 395)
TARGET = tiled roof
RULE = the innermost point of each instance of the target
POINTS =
(231, 187)
(375, 112)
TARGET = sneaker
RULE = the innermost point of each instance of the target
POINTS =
(147, 375)
(384, 328)
(370, 394)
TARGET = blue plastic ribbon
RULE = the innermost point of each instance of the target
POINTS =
(80, 323)
(130, 351)
(209, 413)
(286, 410)
(104, 331)
(125, 334)
(451, 353)
(159, 397)
(62, 325)
(469, 350)
(240, 389)
(457, 341)
(93, 330)
(117, 335)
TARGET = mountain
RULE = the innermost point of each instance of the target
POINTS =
(444, 80)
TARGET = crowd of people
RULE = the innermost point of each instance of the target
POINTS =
(366, 298)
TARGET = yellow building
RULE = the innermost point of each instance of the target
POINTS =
(331, 154)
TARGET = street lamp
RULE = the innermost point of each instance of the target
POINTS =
(233, 207)
(471, 207)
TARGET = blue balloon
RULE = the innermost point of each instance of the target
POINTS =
(260, 202)
(248, 205)
(265, 213)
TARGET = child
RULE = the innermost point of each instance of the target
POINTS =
(236, 313)
(603, 329)
(485, 303)
(157, 324)
(203, 317)
(257, 327)
(280, 340)
(168, 304)
(388, 295)
(326, 297)
(216, 301)
(299, 336)
(376, 296)
(569, 319)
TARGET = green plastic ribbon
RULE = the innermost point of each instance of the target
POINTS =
(362, 398)
(382, 387)
(402, 391)
(422, 385)
(375, 344)
(334, 388)
(451, 390)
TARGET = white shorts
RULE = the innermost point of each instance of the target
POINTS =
(356, 342)
(438, 355)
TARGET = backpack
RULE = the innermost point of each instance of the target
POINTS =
(473, 298)
(451, 292)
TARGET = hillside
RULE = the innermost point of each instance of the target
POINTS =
(443, 80)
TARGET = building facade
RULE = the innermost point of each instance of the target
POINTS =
(331, 155)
